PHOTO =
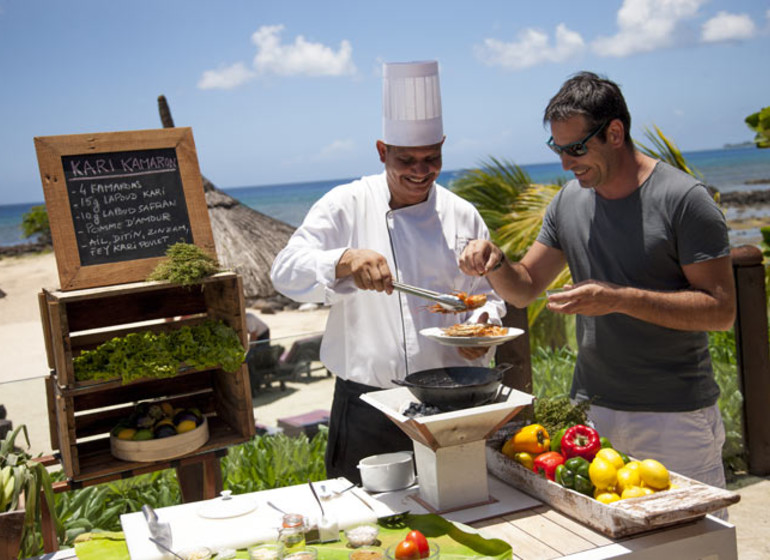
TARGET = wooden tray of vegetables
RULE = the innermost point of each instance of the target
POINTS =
(595, 484)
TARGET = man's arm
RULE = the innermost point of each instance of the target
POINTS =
(709, 304)
(518, 283)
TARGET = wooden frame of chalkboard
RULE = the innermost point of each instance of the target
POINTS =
(117, 200)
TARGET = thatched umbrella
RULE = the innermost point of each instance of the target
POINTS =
(247, 241)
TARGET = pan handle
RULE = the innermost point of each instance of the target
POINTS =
(502, 368)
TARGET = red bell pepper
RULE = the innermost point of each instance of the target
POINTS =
(580, 441)
(546, 463)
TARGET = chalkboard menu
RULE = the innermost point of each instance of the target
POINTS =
(126, 205)
(117, 201)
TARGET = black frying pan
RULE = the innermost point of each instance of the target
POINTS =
(455, 388)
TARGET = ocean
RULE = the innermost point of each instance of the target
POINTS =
(726, 169)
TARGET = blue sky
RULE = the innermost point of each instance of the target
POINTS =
(289, 91)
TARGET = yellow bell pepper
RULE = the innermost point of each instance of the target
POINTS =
(532, 439)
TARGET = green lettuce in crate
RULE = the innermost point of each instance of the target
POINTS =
(148, 354)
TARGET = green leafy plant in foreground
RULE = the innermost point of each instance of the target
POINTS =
(23, 478)
(275, 461)
(185, 264)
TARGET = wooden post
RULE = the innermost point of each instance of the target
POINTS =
(751, 346)
(516, 351)
(11, 527)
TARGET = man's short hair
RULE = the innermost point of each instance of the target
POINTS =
(597, 99)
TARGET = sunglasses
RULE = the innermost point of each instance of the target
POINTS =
(575, 149)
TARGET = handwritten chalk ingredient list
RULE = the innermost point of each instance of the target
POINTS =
(126, 205)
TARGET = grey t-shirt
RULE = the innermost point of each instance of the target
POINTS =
(642, 241)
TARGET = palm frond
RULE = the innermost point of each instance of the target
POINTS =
(665, 149)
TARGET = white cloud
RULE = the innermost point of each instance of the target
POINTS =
(334, 150)
(646, 25)
(531, 48)
(728, 27)
(301, 58)
(226, 78)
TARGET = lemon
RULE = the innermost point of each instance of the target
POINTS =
(186, 426)
(609, 454)
(633, 492)
(607, 497)
(628, 477)
(654, 474)
(635, 465)
(126, 433)
(602, 473)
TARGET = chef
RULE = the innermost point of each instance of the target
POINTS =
(399, 225)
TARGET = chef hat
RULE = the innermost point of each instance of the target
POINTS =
(411, 104)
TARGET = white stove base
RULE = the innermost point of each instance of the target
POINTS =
(505, 499)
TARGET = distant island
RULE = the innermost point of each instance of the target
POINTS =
(746, 144)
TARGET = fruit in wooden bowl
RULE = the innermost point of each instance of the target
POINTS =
(157, 431)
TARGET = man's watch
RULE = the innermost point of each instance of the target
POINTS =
(499, 263)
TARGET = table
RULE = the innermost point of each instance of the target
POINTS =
(542, 533)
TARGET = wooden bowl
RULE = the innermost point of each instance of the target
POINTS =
(160, 449)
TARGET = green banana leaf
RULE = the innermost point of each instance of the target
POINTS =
(456, 541)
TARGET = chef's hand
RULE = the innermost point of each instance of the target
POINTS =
(369, 269)
(475, 352)
(479, 257)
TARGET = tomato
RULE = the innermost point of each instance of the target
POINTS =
(422, 543)
(407, 550)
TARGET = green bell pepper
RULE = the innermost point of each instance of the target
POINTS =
(573, 474)
(556, 440)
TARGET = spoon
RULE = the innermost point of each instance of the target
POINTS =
(275, 507)
(317, 499)
(164, 547)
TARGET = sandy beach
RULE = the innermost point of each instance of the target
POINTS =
(23, 366)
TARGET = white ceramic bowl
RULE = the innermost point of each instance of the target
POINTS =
(387, 472)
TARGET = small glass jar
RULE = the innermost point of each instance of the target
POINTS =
(292, 532)
(269, 551)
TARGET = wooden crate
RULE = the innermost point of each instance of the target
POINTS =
(79, 320)
(81, 414)
(690, 501)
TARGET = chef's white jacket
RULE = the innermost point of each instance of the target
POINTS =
(372, 337)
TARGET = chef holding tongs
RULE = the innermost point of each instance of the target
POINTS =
(360, 242)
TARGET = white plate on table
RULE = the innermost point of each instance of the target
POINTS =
(437, 334)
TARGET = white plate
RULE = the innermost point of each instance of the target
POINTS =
(225, 509)
(437, 334)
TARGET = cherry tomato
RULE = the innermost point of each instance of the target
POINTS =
(407, 550)
(422, 543)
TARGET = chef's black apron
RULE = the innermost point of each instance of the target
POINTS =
(358, 430)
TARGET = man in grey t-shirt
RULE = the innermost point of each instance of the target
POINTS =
(648, 252)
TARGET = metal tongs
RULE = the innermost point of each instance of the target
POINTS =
(447, 301)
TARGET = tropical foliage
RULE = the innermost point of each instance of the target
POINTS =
(35, 222)
(759, 122)
(25, 484)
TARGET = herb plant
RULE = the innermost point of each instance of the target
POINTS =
(185, 264)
